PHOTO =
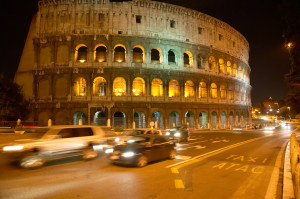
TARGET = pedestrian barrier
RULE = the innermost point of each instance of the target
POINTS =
(295, 162)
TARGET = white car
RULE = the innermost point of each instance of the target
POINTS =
(58, 142)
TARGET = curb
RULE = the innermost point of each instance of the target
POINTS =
(288, 187)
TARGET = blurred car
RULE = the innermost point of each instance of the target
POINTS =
(126, 136)
(178, 134)
(58, 142)
(141, 149)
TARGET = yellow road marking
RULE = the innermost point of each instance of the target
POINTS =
(179, 184)
(174, 170)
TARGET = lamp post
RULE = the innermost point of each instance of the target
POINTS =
(289, 108)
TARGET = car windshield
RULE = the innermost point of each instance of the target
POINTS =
(136, 132)
(138, 140)
(50, 133)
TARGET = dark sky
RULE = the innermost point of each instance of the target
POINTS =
(258, 20)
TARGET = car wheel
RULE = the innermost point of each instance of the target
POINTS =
(32, 161)
(142, 161)
(89, 153)
(172, 154)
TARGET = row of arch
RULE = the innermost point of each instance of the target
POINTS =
(119, 88)
(211, 121)
(119, 55)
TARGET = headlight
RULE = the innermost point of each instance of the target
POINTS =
(168, 133)
(13, 148)
(128, 154)
(177, 134)
(109, 150)
(130, 141)
(117, 140)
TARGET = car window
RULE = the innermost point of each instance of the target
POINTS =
(156, 132)
(67, 133)
(83, 132)
(149, 132)
(159, 140)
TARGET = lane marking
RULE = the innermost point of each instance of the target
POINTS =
(174, 170)
(179, 184)
(211, 153)
(182, 157)
(185, 148)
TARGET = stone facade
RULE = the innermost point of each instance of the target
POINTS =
(130, 63)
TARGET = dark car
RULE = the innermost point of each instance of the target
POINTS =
(141, 149)
(178, 134)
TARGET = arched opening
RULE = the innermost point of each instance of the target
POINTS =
(100, 119)
(157, 117)
(245, 96)
(156, 57)
(243, 74)
(240, 72)
(119, 86)
(223, 120)
(157, 88)
(214, 91)
(189, 119)
(139, 119)
(174, 88)
(212, 63)
(237, 94)
(234, 70)
(138, 87)
(99, 86)
(81, 52)
(231, 122)
(202, 90)
(119, 53)
(214, 120)
(138, 54)
(203, 120)
(174, 119)
(189, 90)
(119, 119)
(221, 66)
(223, 91)
(77, 116)
(229, 72)
(237, 121)
(230, 93)
(242, 120)
(100, 53)
(79, 88)
(171, 57)
(188, 59)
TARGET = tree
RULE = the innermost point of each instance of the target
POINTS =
(13, 104)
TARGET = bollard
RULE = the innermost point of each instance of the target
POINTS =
(18, 122)
(294, 150)
(49, 123)
(80, 122)
(108, 122)
(297, 181)
(133, 125)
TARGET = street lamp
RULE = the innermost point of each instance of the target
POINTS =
(289, 111)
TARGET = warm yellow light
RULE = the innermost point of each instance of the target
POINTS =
(290, 45)
(82, 61)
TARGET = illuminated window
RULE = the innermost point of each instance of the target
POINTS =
(99, 86)
(223, 91)
(214, 91)
(229, 68)
(119, 53)
(174, 90)
(236, 94)
(81, 53)
(243, 74)
(221, 66)
(240, 72)
(100, 53)
(230, 93)
(234, 70)
(138, 87)
(212, 63)
(79, 87)
(189, 90)
(241, 95)
(119, 86)
(188, 59)
(171, 57)
(202, 90)
(156, 57)
(138, 55)
(157, 88)
(245, 96)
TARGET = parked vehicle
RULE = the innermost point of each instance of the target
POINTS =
(178, 134)
(141, 149)
(58, 142)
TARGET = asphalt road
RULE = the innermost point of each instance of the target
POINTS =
(213, 164)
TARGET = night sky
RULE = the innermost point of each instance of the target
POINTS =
(258, 20)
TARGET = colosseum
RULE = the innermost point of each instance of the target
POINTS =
(132, 62)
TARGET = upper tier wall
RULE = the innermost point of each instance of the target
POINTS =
(142, 18)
